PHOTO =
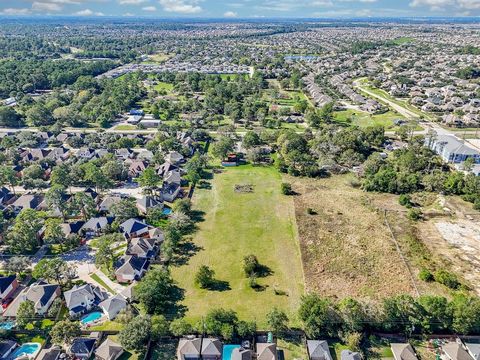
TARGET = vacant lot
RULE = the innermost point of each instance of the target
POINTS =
(236, 224)
(363, 119)
(346, 248)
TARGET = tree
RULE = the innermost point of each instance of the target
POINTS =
(85, 204)
(222, 147)
(53, 232)
(318, 316)
(204, 278)
(160, 326)
(39, 115)
(8, 177)
(246, 329)
(94, 175)
(156, 291)
(466, 314)
(105, 254)
(9, 117)
(56, 199)
(286, 189)
(437, 314)
(61, 176)
(277, 320)
(250, 265)
(23, 236)
(149, 179)
(125, 209)
(182, 205)
(54, 270)
(180, 327)
(251, 139)
(353, 315)
(63, 332)
(25, 313)
(220, 319)
(134, 336)
(17, 264)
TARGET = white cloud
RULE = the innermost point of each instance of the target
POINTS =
(88, 12)
(15, 11)
(230, 14)
(46, 6)
(132, 2)
(433, 4)
(149, 8)
(469, 4)
(181, 6)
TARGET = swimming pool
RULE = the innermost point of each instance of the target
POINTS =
(227, 351)
(91, 317)
(166, 211)
(8, 325)
(27, 349)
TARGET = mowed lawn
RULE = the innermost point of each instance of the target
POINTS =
(238, 224)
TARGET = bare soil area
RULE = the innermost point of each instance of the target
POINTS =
(346, 247)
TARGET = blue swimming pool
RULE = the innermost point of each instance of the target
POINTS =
(7, 325)
(166, 211)
(91, 317)
(28, 349)
(227, 351)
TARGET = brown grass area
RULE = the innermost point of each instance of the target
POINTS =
(346, 247)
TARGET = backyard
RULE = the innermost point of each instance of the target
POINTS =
(237, 223)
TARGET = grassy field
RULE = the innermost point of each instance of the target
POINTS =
(237, 224)
(163, 86)
(363, 119)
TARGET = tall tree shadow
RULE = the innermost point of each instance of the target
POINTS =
(186, 249)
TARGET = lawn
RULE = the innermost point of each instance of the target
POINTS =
(237, 224)
(363, 119)
(163, 86)
(102, 283)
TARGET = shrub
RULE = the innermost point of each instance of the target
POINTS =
(311, 211)
(204, 277)
(287, 189)
(447, 278)
(414, 214)
(405, 200)
(425, 275)
(250, 265)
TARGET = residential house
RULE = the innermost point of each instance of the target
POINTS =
(189, 349)
(82, 348)
(112, 306)
(5, 196)
(40, 293)
(6, 348)
(267, 351)
(452, 149)
(108, 202)
(174, 158)
(403, 351)
(142, 247)
(212, 349)
(52, 353)
(108, 350)
(474, 350)
(241, 354)
(454, 350)
(8, 285)
(131, 268)
(171, 185)
(318, 350)
(27, 201)
(94, 226)
(81, 299)
(148, 202)
(350, 355)
(134, 228)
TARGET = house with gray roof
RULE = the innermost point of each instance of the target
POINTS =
(40, 293)
(403, 351)
(112, 306)
(108, 350)
(81, 299)
(350, 355)
(318, 350)
(267, 351)
(452, 149)
(212, 349)
(454, 350)
(241, 353)
(189, 348)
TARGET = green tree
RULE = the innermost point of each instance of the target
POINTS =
(23, 238)
(55, 198)
(125, 209)
(135, 334)
(222, 147)
(105, 254)
(204, 278)
(219, 319)
(84, 203)
(180, 327)
(61, 176)
(353, 314)
(318, 316)
(63, 332)
(54, 270)
(160, 326)
(149, 179)
(8, 177)
(156, 291)
(9, 117)
(251, 139)
(277, 320)
(53, 232)
(26, 313)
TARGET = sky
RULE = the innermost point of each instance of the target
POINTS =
(243, 8)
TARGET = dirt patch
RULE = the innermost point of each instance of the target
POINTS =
(247, 188)
(346, 247)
